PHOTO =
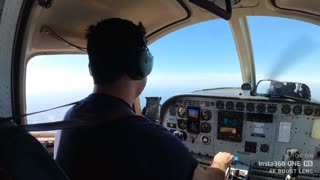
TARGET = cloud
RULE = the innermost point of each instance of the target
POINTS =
(194, 80)
(51, 82)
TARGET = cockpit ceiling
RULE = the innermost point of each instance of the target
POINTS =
(70, 19)
(310, 6)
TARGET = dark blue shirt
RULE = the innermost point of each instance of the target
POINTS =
(125, 146)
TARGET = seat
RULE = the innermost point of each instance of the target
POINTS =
(23, 157)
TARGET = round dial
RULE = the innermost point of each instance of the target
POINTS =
(205, 127)
(272, 108)
(182, 124)
(264, 148)
(182, 112)
(240, 106)
(206, 114)
(229, 105)
(297, 110)
(181, 135)
(173, 110)
(250, 107)
(193, 127)
(308, 110)
(261, 107)
(205, 139)
(220, 104)
(286, 109)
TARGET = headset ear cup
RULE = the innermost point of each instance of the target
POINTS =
(146, 62)
(140, 65)
(90, 70)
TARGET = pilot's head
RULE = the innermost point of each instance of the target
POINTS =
(275, 88)
(117, 48)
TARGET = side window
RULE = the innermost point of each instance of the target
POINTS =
(54, 80)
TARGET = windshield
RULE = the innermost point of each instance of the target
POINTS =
(271, 88)
(286, 50)
(200, 56)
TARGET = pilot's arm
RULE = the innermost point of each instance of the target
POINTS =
(217, 169)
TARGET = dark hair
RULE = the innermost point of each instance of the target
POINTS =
(109, 44)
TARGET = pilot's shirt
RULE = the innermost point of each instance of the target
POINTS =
(124, 146)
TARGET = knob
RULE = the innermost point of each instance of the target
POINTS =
(264, 148)
(205, 139)
(181, 135)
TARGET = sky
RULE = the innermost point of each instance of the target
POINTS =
(197, 57)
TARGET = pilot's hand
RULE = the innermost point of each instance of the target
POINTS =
(222, 161)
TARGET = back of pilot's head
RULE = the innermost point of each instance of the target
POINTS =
(110, 44)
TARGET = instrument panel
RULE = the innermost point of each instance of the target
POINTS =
(258, 131)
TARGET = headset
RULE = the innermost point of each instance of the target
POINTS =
(137, 58)
(139, 62)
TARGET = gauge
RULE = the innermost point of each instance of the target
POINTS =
(182, 112)
(229, 105)
(205, 127)
(220, 104)
(171, 125)
(181, 135)
(272, 108)
(173, 110)
(182, 124)
(205, 139)
(286, 109)
(264, 148)
(261, 107)
(297, 110)
(206, 114)
(240, 106)
(308, 110)
(250, 107)
(193, 126)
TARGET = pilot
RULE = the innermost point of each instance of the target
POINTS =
(124, 145)
(305, 92)
(290, 90)
(275, 88)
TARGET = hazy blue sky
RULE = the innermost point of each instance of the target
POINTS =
(200, 56)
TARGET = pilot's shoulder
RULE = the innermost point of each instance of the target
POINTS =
(153, 130)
